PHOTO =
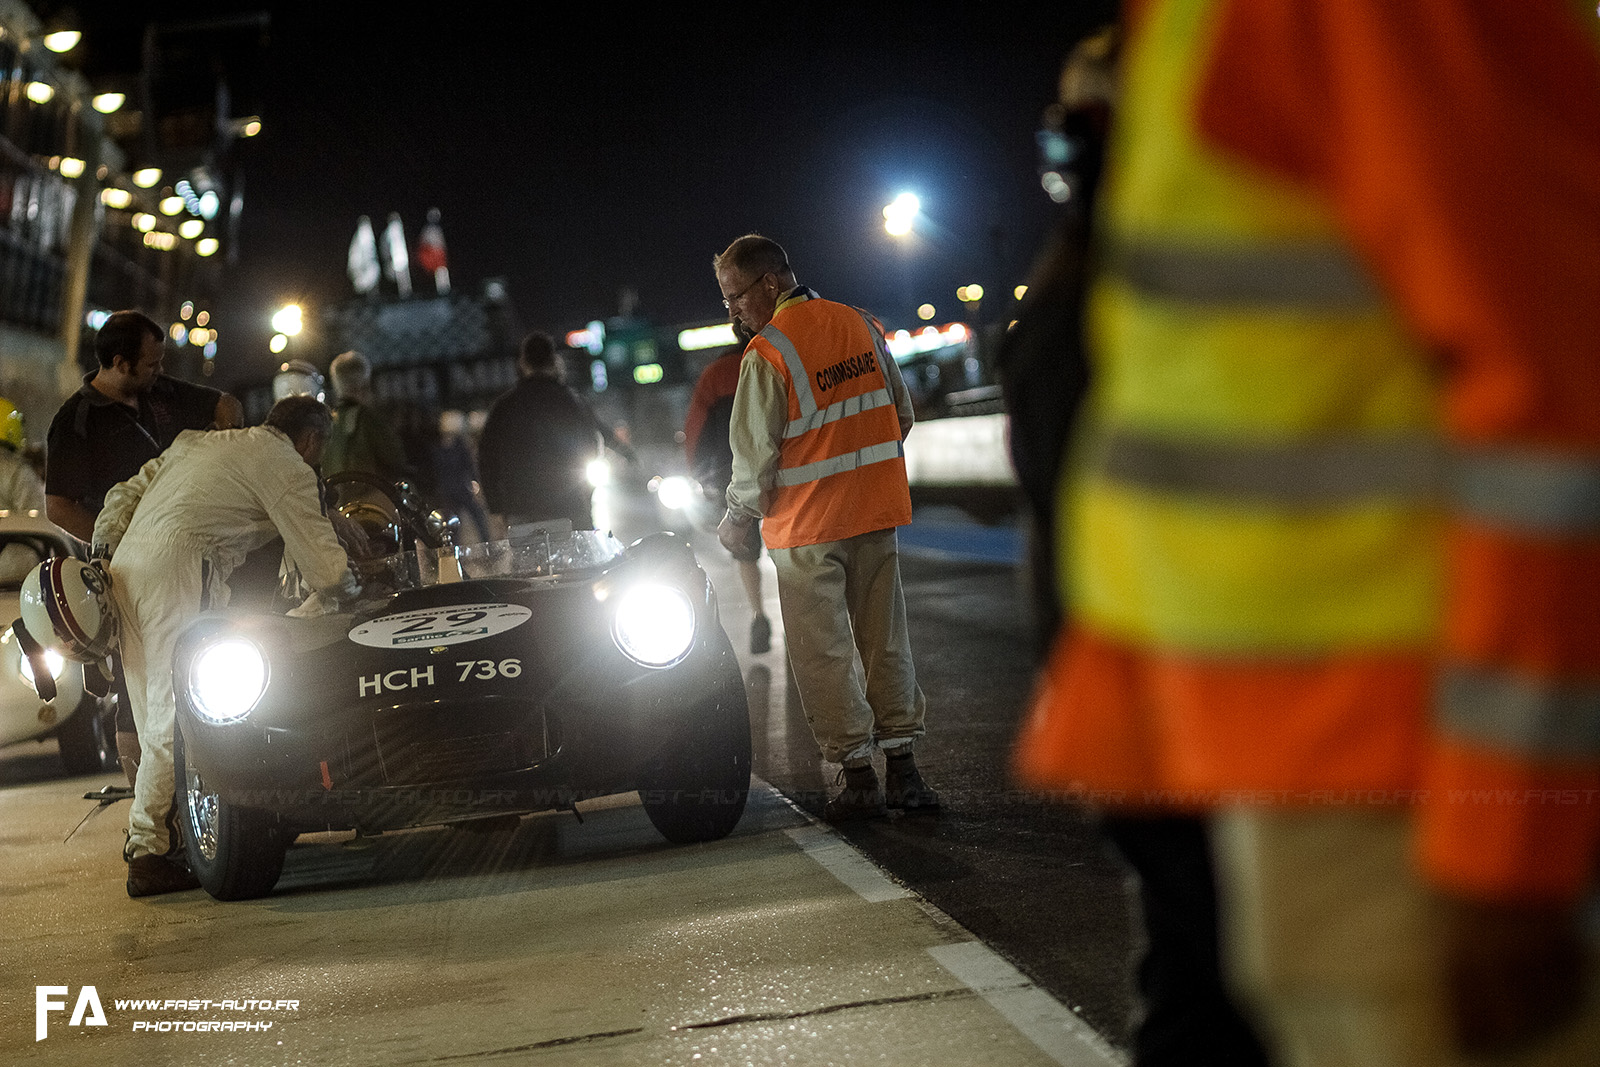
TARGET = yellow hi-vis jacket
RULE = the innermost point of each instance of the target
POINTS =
(1333, 529)
(819, 419)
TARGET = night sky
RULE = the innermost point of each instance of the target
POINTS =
(574, 155)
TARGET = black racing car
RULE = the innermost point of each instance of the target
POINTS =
(557, 666)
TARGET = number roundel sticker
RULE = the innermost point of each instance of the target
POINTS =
(453, 625)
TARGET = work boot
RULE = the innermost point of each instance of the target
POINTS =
(760, 635)
(859, 799)
(150, 875)
(904, 788)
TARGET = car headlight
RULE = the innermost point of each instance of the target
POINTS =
(54, 662)
(676, 492)
(227, 678)
(654, 624)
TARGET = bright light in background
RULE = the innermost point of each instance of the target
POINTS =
(702, 337)
(289, 320)
(171, 205)
(926, 312)
(206, 246)
(903, 343)
(147, 177)
(592, 339)
(144, 222)
(189, 229)
(62, 40)
(116, 198)
(109, 103)
(40, 93)
(970, 294)
(1020, 291)
(901, 215)
(72, 167)
(278, 343)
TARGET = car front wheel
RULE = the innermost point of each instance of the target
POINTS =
(695, 790)
(236, 852)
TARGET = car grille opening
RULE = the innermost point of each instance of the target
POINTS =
(450, 744)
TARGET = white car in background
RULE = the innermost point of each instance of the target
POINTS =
(82, 722)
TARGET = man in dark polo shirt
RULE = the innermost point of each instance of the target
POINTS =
(125, 415)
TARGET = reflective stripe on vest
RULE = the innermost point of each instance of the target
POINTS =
(1542, 718)
(811, 417)
(810, 472)
(1299, 275)
(1519, 490)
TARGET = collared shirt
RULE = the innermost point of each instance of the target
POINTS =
(96, 442)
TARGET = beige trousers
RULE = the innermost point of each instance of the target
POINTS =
(1336, 948)
(157, 593)
(844, 621)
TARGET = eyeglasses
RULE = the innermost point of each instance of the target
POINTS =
(728, 301)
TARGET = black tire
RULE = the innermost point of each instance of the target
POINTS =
(695, 790)
(88, 739)
(236, 852)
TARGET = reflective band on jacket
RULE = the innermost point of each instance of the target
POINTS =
(1541, 494)
(1300, 474)
(840, 467)
(854, 405)
(1294, 275)
(810, 472)
(811, 416)
(1529, 715)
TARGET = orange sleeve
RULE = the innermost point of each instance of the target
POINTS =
(719, 379)
(1458, 142)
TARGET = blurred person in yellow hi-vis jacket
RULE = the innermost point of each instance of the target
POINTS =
(1329, 540)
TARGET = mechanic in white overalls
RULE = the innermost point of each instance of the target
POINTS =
(175, 532)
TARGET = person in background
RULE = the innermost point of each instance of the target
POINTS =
(455, 474)
(818, 422)
(538, 442)
(1328, 538)
(124, 415)
(174, 533)
(705, 443)
(21, 491)
(126, 412)
(363, 441)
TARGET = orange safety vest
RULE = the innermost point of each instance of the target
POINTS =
(841, 465)
(1307, 560)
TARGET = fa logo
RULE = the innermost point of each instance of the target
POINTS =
(43, 1002)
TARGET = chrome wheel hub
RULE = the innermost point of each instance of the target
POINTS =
(203, 813)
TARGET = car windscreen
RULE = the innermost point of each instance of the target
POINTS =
(538, 556)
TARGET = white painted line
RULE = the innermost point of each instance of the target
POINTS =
(1037, 1015)
(841, 859)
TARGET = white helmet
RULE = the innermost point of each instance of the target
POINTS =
(66, 603)
(297, 378)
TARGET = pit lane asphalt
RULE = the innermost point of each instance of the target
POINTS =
(547, 920)
(1026, 873)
